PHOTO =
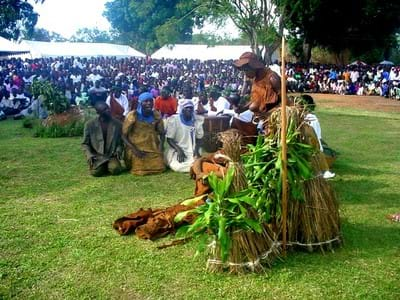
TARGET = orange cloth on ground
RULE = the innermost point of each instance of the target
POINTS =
(152, 224)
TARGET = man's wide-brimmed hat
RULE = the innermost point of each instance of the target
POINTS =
(249, 59)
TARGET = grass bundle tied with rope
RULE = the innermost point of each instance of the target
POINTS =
(313, 222)
(250, 250)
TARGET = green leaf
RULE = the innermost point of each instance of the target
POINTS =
(253, 224)
(181, 215)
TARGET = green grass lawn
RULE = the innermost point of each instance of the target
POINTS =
(56, 239)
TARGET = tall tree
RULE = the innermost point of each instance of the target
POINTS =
(260, 20)
(357, 25)
(149, 24)
(17, 18)
(43, 35)
(92, 35)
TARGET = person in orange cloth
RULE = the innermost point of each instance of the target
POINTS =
(266, 84)
(165, 103)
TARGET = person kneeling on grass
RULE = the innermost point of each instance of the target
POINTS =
(143, 134)
(184, 134)
(102, 142)
(308, 105)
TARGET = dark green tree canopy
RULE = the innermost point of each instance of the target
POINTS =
(17, 18)
(149, 24)
(356, 25)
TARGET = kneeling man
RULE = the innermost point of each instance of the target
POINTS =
(184, 134)
(102, 142)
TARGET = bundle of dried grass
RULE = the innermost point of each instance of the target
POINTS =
(250, 251)
(231, 146)
(314, 223)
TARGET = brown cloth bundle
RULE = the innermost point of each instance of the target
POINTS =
(153, 224)
(204, 166)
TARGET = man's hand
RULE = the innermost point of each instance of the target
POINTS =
(181, 156)
(139, 153)
(92, 160)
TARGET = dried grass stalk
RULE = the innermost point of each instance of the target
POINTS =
(250, 251)
(315, 223)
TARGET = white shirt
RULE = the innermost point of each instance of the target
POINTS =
(312, 120)
(122, 100)
(220, 105)
(185, 137)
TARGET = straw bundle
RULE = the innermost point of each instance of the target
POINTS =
(314, 222)
(250, 250)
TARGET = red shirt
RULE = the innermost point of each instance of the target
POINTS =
(167, 107)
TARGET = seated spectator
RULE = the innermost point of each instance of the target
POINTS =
(308, 104)
(35, 110)
(184, 133)
(165, 103)
(216, 103)
(102, 142)
(97, 93)
(143, 134)
(8, 106)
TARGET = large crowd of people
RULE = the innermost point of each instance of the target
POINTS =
(106, 78)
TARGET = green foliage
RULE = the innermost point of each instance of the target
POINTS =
(213, 40)
(356, 25)
(43, 35)
(93, 35)
(149, 24)
(17, 18)
(55, 130)
(53, 99)
(263, 166)
(223, 213)
(260, 21)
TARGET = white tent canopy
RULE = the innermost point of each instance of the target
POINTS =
(68, 49)
(9, 48)
(202, 52)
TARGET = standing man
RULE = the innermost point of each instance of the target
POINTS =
(184, 134)
(118, 103)
(102, 142)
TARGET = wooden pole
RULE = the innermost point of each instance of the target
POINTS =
(284, 150)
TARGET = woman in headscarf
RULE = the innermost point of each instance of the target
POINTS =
(143, 134)
(184, 134)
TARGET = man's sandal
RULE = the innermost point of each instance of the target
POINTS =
(394, 217)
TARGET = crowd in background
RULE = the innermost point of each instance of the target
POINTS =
(87, 80)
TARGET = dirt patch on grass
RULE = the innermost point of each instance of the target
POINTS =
(370, 103)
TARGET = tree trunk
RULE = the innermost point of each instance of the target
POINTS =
(306, 55)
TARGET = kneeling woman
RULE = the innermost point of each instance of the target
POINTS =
(184, 134)
(143, 134)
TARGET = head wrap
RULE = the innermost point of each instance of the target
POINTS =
(143, 97)
(184, 104)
